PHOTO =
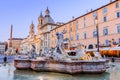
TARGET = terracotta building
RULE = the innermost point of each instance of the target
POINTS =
(16, 42)
(82, 30)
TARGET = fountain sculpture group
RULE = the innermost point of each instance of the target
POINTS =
(59, 60)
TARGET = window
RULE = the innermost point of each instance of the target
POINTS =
(95, 33)
(84, 19)
(77, 27)
(71, 37)
(104, 18)
(76, 22)
(70, 28)
(94, 14)
(65, 31)
(85, 35)
(77, 37)
(84, 25)
(118, 14)
(118, 28)
(84, 22)
(117, 5)
(119, 40)
(107, 43)
(105, 31)
(70, 24)
(104, 10)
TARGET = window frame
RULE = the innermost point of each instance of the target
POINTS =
(104, 18)
(85, 35)
(95, 33)
(118, 14)
(118, 28)
(117, 5)
(77, 37)
(105, 31)
(104, 10)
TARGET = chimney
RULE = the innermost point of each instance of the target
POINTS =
(110, 1)
(73, 18)
(91, 10)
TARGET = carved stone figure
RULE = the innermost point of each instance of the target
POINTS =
(32, 53)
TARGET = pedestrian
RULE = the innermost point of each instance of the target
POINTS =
(113, 60)
(5, 59)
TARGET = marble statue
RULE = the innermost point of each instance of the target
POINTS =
(10, 51)
(32, 53)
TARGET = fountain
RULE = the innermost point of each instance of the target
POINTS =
(59, 60)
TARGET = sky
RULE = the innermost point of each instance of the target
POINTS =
(21, 13)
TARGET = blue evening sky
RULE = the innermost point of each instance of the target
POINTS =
(21, 13)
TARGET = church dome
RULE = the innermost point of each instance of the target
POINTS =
(48, 18)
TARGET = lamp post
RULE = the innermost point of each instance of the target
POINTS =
(97, 30)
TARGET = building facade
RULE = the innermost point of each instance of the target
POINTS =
(16, 42)
(82, 30)
(3, 47)
(42, 38)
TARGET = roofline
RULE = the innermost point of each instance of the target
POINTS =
(49, 24)
(17, 39)
(86, 14)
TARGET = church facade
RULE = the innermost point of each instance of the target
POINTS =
(42, 38)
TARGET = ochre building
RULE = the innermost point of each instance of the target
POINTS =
(82, 30)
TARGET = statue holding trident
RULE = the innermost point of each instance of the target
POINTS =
(60, 41)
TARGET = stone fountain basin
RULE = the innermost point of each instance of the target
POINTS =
(71, 67)
(22, 63)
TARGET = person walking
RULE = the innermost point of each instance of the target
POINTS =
(5, 59)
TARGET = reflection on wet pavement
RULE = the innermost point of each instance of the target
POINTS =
(8, 72)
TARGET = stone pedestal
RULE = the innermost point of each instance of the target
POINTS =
(70, 67)
(22, 63)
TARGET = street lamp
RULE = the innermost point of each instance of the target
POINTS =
(96, 21)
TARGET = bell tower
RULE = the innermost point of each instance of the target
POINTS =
(40, 21)
(31, 33)
(47, 12)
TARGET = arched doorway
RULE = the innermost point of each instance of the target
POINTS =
(90, 46)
